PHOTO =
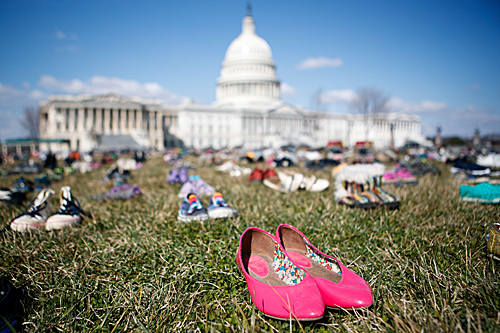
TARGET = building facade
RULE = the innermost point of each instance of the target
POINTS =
(248, 112)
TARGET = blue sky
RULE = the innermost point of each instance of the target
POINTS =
(437, 59)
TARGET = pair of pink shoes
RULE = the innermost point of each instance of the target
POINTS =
(399, 175)
(288, 277)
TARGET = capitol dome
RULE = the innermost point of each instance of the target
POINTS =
(248, 73)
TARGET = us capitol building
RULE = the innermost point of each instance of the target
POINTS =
(248, 112)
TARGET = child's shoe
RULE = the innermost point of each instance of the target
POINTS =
(219, 209)
(192, 209)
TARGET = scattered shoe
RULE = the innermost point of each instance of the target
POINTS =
(484, 193)
(42, 182)
(22, 185)
(338, 285)
(188, 187)
(35, 215)
(256, 176)
(285, 183)
(115, 173)
(494, 241)
(219, 209)
(177, 176)
(203, 189)
(314, 184)
(469, 167)
(27, 167)
(11, 197)
(269, 173)
(406, 177)
(183, 177)
(192, 209)
(196, 185)
(122, 192)
(11, 308)
(359, 186)
(226, 166)
(69, 213)
(279, 288)
(387, 199)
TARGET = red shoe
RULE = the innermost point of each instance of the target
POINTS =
(256, 176)
(269, 173)
(277, 287)
(338, 285)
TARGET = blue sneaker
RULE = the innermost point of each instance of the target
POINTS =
(192, 209)
(22, 185)
(219, 209)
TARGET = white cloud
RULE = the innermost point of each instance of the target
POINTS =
(10, 126)
(60, 35)
(287, 90)
(8, 93)
(453, 121)
(99, 85)
(320, 62)
(51, 83)
(338, 96)
(397, 104)
(475, 114)
(37, 95)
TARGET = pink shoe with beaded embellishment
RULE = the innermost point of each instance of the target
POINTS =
(277, 287)
(338, 285)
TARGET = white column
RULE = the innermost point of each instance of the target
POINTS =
(106, 120)
(139, 120)
(98, 120)
(81, 120)
(123, 121)
(71, 120)
(115, 120)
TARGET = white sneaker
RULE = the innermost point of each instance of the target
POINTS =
(314, 184)
(69, 214)
(285, 183)
(35, 215)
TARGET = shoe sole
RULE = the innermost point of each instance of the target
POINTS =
(60, 225)
(25, 227)
(222, 213)
(185, 218)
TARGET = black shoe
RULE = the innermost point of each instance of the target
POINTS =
(11, 308)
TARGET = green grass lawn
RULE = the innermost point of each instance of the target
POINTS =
(132, 266)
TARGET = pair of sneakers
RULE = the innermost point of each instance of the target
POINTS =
(192, 209)
(38, 213)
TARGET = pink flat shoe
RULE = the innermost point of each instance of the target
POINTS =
(406, 176)
(391, 177)
(338, 285)
(277, 287)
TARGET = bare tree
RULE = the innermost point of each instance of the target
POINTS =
(371, 104)
(31, 122)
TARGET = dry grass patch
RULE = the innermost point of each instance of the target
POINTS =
(132, 266)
